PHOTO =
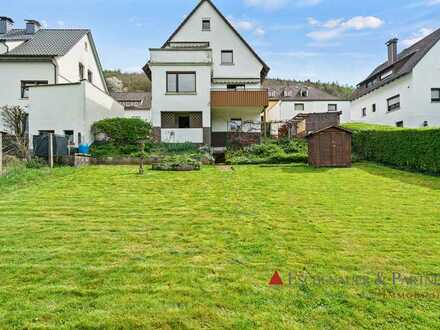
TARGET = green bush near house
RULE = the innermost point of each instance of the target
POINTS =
(271, 151)
(413, 149)
(122, 136)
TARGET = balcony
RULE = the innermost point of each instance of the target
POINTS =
(239, 98)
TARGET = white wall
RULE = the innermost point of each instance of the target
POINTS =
(222, 116)
(141, 114)
(174, 135)
(197, 102)
(70, 107)
(379, 97)
(415, 97)
(68, 65)
(220, 38)
(11, 75)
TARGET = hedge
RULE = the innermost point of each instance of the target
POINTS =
(415, 149)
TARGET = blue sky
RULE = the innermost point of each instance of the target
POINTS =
(327, 40)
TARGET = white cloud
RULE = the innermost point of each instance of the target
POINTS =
(61, 23)
(277, 4)
(334, 28)
(248, 26)
(417, 36)
(433, 2)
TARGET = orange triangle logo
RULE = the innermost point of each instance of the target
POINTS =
(276, 279)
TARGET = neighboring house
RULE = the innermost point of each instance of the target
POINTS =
(136, 104)
(405, 90)
(56, 75)
(206, 82)
(290, 101)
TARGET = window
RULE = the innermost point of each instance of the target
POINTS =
(236, 87)
(184, 121)
(235, 125)
(394, 103)
(81, 71)
(227, 57)
(399, 124)
(386, 75)
(25, 84)
(206, 24)
(299, 106)
(364, 112)
(435, 95)
(332, 107)
(79, 139)
(86, 46)
(373, 108)
(304, 92)
(90, 76)
(181, 82)
(69, 135)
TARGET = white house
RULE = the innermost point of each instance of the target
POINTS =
(56, 75)
(136, 104)
(206, 82)
(405, 90)
(287, 102)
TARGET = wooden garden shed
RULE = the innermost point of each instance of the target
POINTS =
(330, 147)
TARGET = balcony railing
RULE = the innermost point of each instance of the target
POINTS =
(239, 98)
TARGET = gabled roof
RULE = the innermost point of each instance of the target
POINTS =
(266, 68)
(49, 43)
(326, 128)
(406, 61)
(143, 97)
(293, 93)
(45, 42)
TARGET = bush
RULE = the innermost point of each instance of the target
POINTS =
(270, 152)
(415, 149)
(122, 137)
(123, 131)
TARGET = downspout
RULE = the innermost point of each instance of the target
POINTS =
(55, 70)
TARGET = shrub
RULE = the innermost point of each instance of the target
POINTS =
(36, 163)
(415, 149)
(270, 152)
(123, 131)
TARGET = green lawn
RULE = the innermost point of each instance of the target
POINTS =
(102, 247)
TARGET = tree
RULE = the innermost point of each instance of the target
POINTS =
(15, 122)
(114, 84)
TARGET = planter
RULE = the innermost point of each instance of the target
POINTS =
(176, 167)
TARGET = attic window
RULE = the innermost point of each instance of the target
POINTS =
(304, 92)
(386, 75)
(206, 24)
(299, 106)
(227, 57)
(332, 107)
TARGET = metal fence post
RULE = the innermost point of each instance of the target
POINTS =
(51, 150)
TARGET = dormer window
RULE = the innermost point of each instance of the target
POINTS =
(386, 75)
(206, 24)
(304, 92)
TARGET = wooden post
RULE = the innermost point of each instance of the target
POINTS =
(1, 153)
(141, 166)
(51, 150)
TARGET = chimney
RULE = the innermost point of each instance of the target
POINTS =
(6, 24)
(32, 26)
(392, 51)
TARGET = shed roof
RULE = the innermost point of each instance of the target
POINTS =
(326, 128)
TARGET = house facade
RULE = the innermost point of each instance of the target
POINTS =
(405, 90)
(206, 83)
(56, 76)
(288, 102)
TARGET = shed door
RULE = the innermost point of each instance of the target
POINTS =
(338, 157)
